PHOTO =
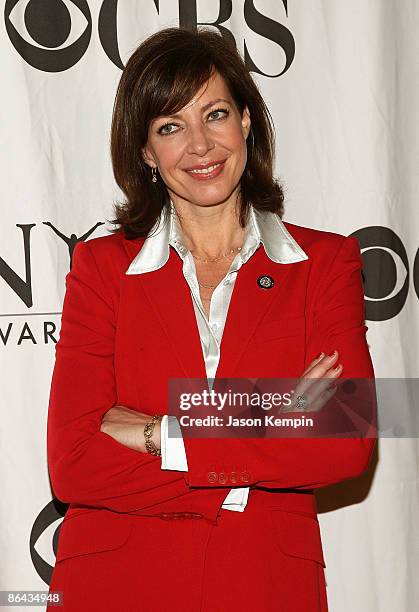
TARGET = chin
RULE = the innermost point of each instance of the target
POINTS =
(211, 196)
(210, 200)
(205, 195)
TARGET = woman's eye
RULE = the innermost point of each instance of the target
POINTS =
(218, 113)
(164, 129)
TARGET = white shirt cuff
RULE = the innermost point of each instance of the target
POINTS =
(173, 454)
(236, 499)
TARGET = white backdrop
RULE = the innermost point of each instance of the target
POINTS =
(346, 110)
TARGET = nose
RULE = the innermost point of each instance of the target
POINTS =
(200, 141)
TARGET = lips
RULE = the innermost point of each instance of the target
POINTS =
(206, 171)
(205, 166)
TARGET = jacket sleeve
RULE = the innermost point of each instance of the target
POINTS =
(88, 466)
(303, 463)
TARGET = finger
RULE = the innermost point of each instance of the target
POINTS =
(304, 384)
(323, 365)
(313, 363)
(320, 384)
(321, 368)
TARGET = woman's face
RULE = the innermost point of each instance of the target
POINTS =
(201, 151)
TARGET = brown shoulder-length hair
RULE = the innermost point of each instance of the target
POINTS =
(162, 75)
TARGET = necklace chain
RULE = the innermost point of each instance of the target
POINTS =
(206, 260)
(213, 260)
(223, 255)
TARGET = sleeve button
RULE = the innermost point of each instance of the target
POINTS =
(222, 478)
(245, 477)
(212, 476)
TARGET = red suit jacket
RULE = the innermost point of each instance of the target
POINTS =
(122, 338)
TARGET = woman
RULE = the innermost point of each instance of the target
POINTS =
(199, 255)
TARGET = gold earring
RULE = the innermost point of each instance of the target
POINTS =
(154, 175)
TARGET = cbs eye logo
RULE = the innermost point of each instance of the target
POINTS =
(45, 532)
(386, 272)
(53, 36)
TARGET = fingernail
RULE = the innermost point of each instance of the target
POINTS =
(319, 356)
(337, 368)
(332, 354)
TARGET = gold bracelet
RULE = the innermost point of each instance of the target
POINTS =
(148, 432)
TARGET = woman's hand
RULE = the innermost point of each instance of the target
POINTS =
(315, 383)
(126, 426)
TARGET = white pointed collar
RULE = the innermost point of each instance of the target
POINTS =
(266, 227)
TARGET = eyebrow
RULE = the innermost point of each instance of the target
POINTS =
(203, 109)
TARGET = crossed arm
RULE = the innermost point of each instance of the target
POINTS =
(96, 457)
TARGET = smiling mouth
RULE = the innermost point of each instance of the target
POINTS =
(208, 172)
(205, 170)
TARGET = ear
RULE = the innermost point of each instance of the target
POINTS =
(149, 157)
(246, 122)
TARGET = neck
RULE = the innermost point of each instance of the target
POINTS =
(210, 230)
